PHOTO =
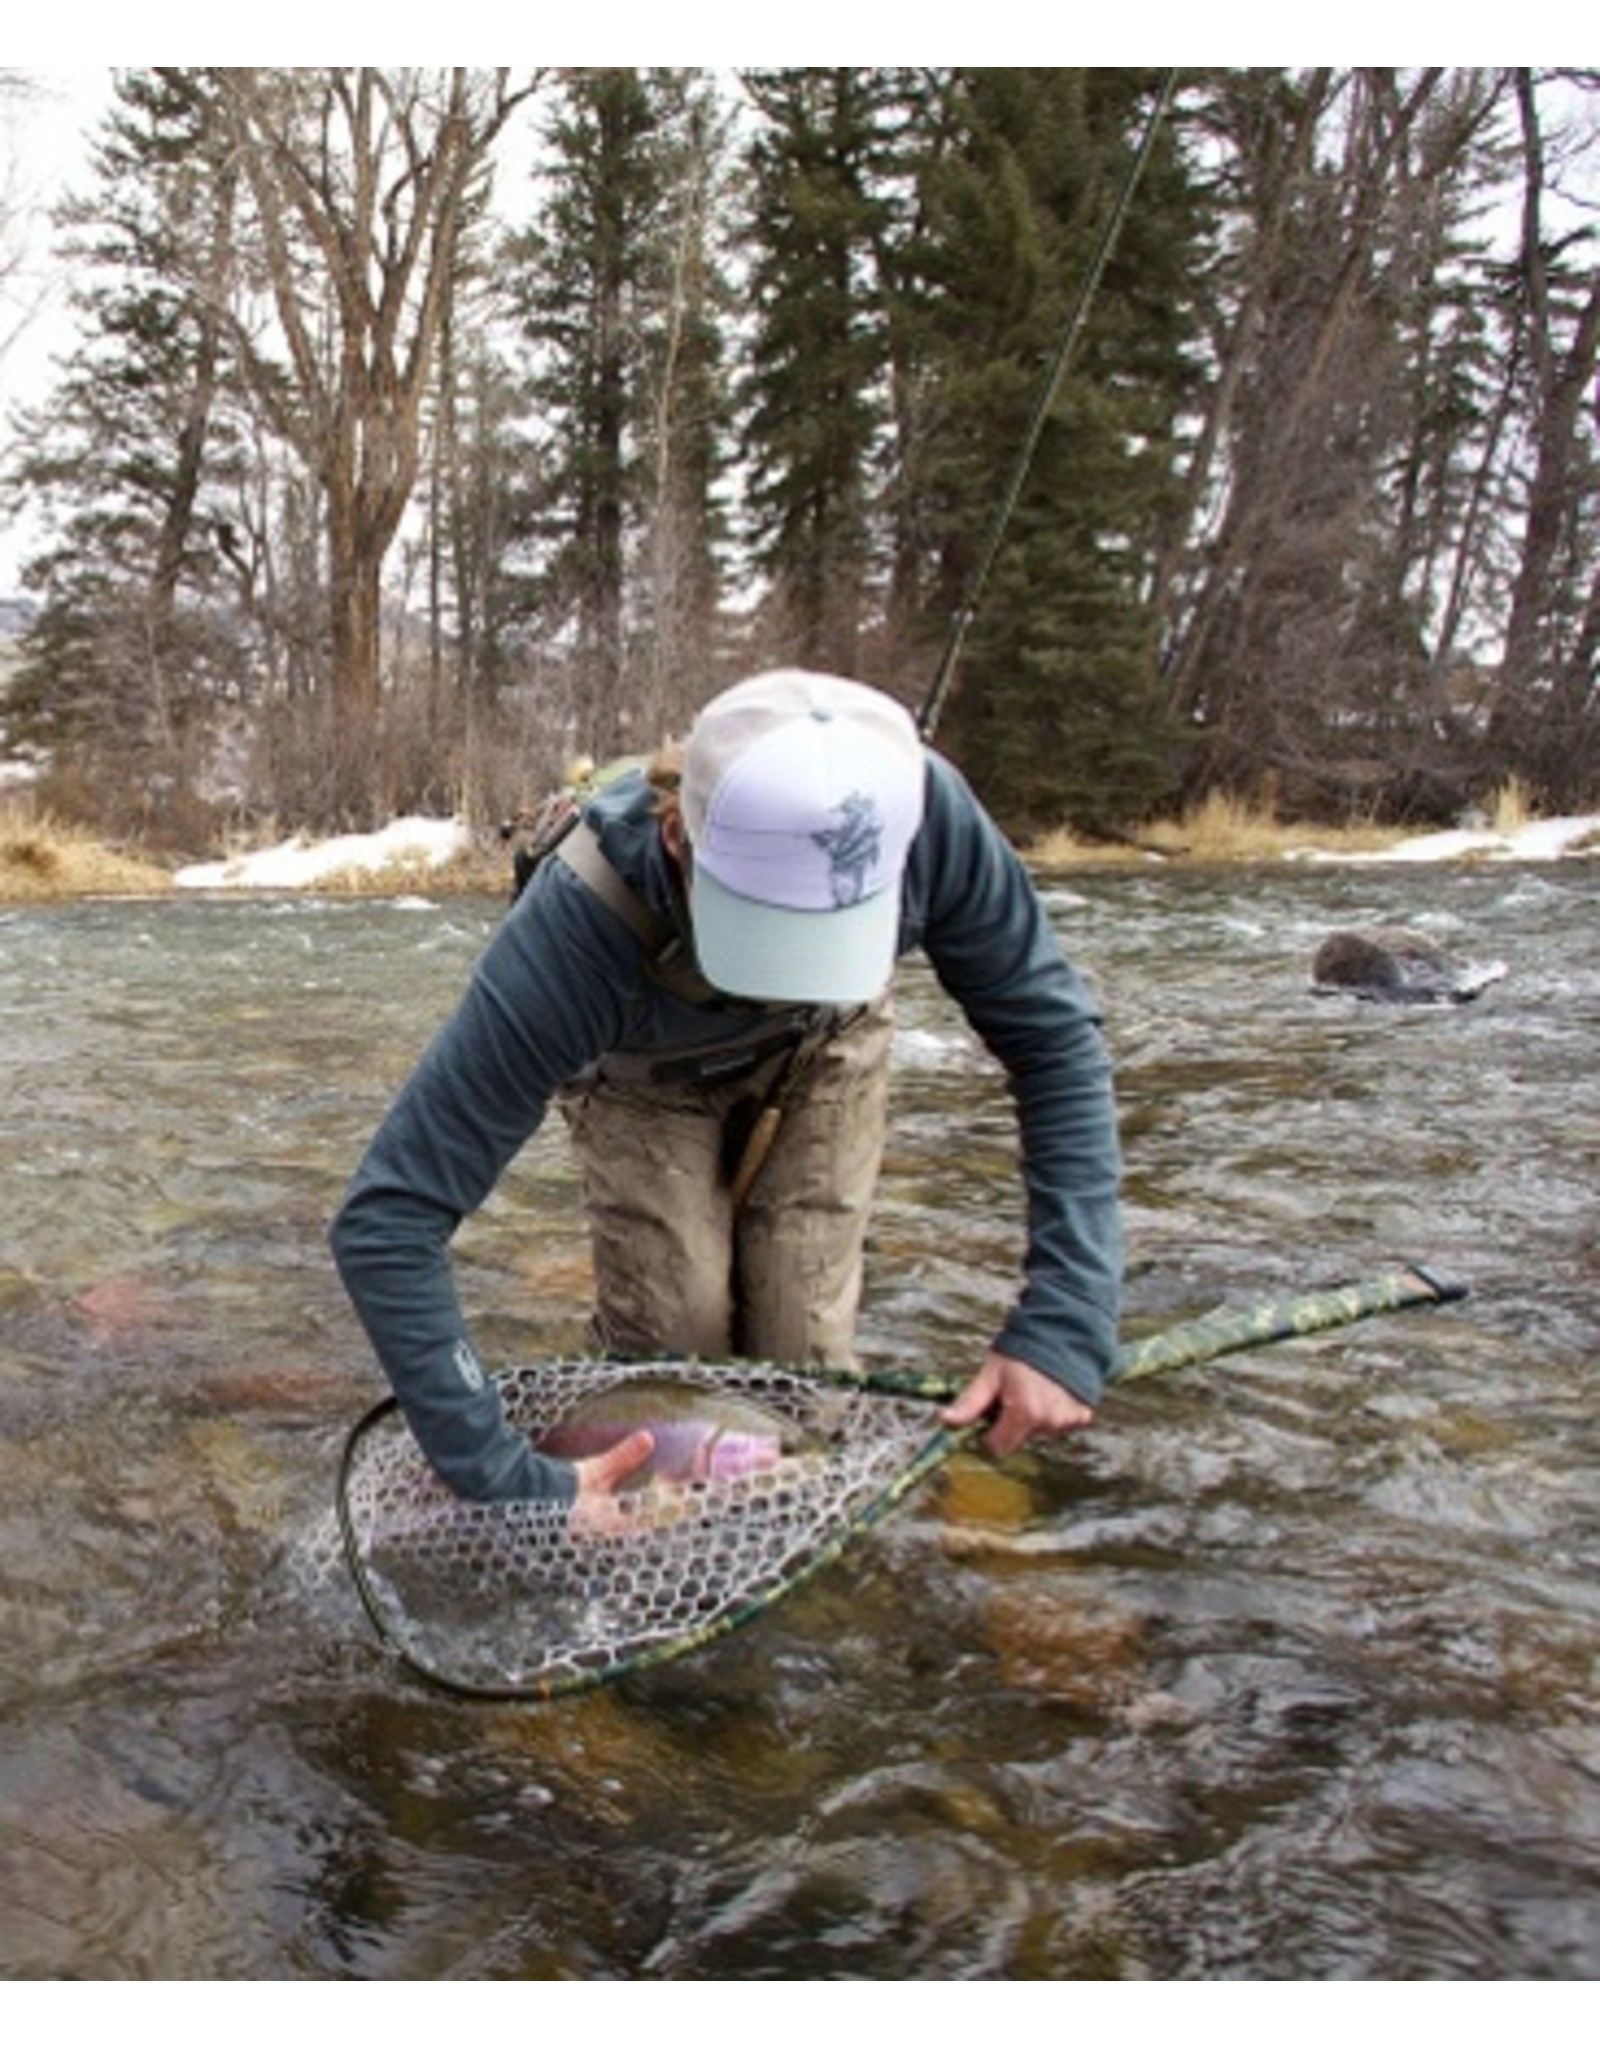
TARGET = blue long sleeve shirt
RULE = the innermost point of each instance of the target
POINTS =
(565, 981)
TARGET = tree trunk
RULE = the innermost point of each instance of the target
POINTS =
(1540, 707)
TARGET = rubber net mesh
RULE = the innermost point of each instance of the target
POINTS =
(508, 1600)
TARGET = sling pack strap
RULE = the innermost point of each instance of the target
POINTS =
(670, 964)
(581, 850)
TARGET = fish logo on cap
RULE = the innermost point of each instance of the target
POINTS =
(854, 847)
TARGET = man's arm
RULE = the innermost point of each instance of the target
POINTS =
(990, 942)
(542, 1002)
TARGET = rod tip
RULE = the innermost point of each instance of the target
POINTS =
(1443, 1286)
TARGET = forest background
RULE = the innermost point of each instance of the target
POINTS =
(420, 430)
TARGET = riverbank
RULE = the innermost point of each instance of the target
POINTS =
(42, 860)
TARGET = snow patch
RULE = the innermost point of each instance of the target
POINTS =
(300, 863)
(1544, 839)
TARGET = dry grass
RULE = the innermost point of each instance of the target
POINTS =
(1511, 808)
(1221, 829)
(479, 871)
(44, 861)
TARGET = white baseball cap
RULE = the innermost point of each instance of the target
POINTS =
(801, 796)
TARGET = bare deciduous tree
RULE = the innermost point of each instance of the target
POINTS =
(360, 181)
(1347, 442)
(14, 313)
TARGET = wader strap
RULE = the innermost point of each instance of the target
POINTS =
(670, 965)
(581, 851)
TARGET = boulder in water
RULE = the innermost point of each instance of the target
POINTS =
(1378, 964)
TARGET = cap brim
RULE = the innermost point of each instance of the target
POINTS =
(793, 956)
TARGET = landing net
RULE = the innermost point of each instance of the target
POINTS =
(505, 1601)
(508, 1602)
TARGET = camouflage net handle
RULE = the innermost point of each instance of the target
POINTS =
(521, 1553)
(1224, 1330)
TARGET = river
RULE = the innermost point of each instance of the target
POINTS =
(1290, 1668)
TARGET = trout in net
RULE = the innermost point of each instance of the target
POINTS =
(759, 1476)
(699, 1432)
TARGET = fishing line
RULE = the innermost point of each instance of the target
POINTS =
(933, 704)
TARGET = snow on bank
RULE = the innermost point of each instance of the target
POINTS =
(1543, 839)
(300, 864)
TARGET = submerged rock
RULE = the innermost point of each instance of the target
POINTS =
(1384, 965)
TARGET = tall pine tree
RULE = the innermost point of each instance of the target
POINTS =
(134, 460)
(816, 392)
(615, 289)
(1057, 711)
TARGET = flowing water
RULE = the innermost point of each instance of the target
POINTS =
(1290, 1668)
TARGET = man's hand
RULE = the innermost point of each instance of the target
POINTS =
(596, 1512)
(1027, 1403)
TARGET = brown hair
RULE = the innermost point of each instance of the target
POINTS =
(664, 773)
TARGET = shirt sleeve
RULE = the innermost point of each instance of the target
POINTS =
(990, 943)
(545, 999)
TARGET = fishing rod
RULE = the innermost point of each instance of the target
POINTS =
(944, 676)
